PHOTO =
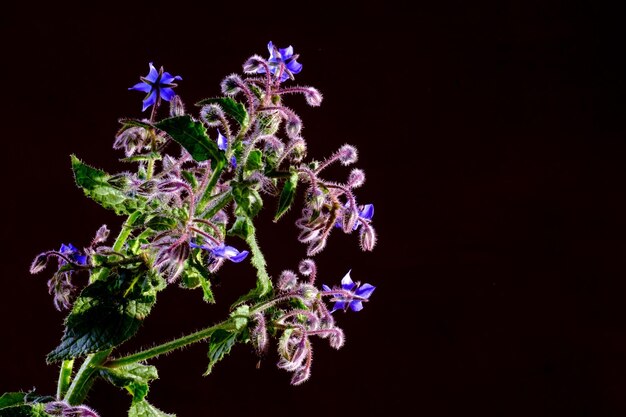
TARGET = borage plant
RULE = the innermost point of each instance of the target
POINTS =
(186, 206)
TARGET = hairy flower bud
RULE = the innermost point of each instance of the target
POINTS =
(356, 178)
(177, 108)
(367, 237)
(39, 263)
(349, 219)
(253, 64)
(259, 334)
(307, 267)
(316, 247)
(212, 115)
(293, 127)
(131, 139)
(287, 281)
(336, 338)
(313, 97)
(309, 235)
(120, 181)
(231, 85)
(101, 235)
(298, 151)
(301, 375)
(171, 186)
(347, 154)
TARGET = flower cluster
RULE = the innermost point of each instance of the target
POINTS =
(191, 206)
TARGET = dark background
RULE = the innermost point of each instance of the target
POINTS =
(493, 138)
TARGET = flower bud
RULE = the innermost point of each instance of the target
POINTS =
(253, 64)
(316, 247)
(293, 127)
(39, 263)
(177, 108)
(231, 85)
(259, 334)
(367, 237)
(336, 338)
(131, 139)
(309, 235)
(307, 267)
(347, 154)
(101, 235)
(313, 97)
(212, 115)
(120, 181)
(356, 178)
(349, 219)
(301, 375)
(170, 186)
(287, 280)
(298, 151)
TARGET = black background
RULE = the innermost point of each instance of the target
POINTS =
(493, 139)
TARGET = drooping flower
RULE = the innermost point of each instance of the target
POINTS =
(73, 254)
(350, 294)
(222, 142)
(282, 57)
(365, 212)
(223, 251)
(157, 84)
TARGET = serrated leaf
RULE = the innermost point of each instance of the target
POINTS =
(249, 201)
(9, 399)
(145, 409)
(192, 135)
(233, 108)
(134, 378)
(106, 314)
(287, 195)
(24, 410)
(220, 344)
(240, 228)
(95, 185)
(196, 275)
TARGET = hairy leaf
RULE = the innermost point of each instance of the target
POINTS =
(255, 161)
(107, 313)
(240, 227)
(134, 378)
(95, 185)
(24, 410)
(192, 135)
(220, 344)
(233, 108)
(287, 195)
(145, 409)
(196, 275)
(249, 201)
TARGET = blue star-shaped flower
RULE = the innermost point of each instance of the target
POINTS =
(366, 212)
(280, 56)
(157, 84)
(223, 251)
(74, 254)
(352, 296)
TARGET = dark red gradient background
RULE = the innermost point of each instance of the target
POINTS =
(493, 138)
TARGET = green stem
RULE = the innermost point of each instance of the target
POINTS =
(65, 376)
(82, 382)
(219, 204)
(206, 197)
(125, 232)
(171, 345)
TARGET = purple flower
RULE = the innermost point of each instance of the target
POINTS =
(157, 84)
(350, 295)
(73, 254)
(282, 57)
(223, 252)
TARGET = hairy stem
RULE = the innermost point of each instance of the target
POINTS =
(79, 388)
(125, 232)
(65, 376)
(171, 345)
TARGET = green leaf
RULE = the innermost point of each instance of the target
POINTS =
(196, 275)
(220, 344)
(145, 409)
(255, 161)
(94, 183)
(249, 201)
(126, 123)
(240, 228)
(192, 135)
(11, 398)
(24, 410)
(233, 108)
(161, 223)
(107, 313)
(134, 378)
(241, 316)
(287, 195)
